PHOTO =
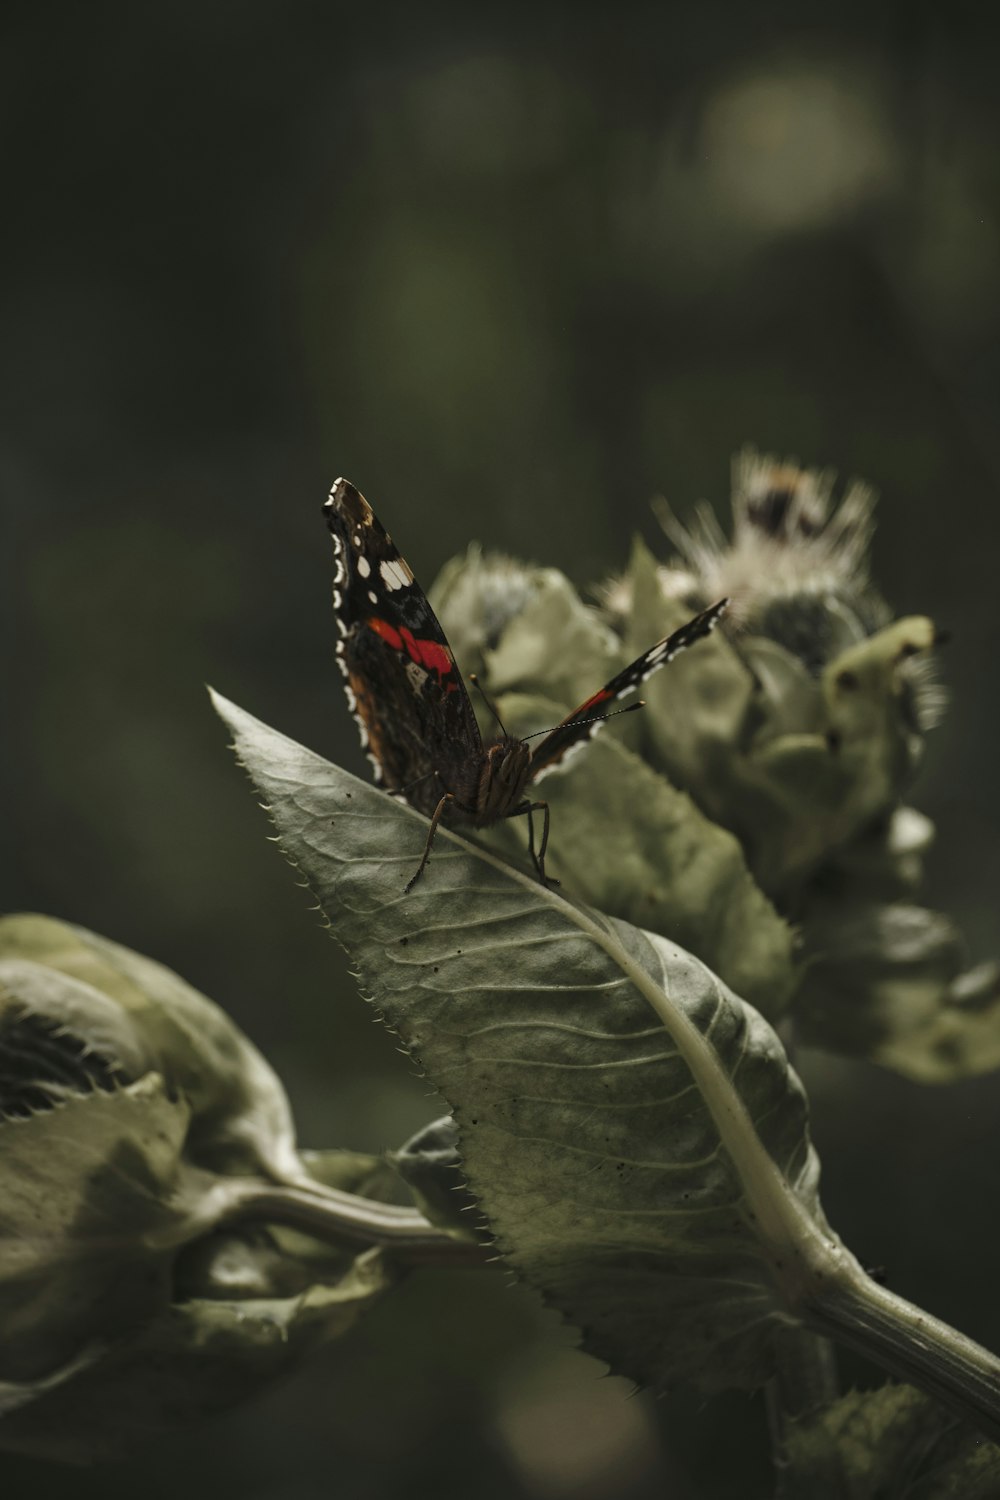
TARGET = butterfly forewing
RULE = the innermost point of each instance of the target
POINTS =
(403, 687)
(578, 726)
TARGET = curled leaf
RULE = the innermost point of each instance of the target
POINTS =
(145, 1018)
(159, 1256)
(431, 1165)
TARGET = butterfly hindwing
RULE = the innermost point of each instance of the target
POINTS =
(402, 683)
(581, 724)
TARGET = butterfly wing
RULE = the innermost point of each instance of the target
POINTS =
(581, 724)
(403, 687)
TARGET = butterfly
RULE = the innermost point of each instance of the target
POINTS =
(412, 707)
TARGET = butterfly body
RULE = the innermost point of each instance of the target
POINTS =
(411, 705)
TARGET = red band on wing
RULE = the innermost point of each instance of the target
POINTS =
(594, 702)
(386, 631)
(436, 658)
(429, 654)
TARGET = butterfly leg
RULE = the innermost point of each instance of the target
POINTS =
(435, 820)
(538, 860)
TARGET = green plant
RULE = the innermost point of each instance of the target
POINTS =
(630, 1128)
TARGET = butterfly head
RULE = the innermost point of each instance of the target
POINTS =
(506, 772)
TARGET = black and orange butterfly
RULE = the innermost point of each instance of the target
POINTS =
(412, 707)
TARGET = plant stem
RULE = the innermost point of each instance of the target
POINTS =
(327, 1214)
(911, 1344)
(820, 1282)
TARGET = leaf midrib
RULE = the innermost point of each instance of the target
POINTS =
(776, 1214)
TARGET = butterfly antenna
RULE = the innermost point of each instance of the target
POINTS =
(401, 791)
(487, 700)
(596, 719)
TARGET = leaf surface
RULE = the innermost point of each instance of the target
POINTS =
(82, 1187)
(625, 840)
(631, 1128)
(148, 1019)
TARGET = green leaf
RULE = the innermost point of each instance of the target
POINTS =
(631, 1128)
(894, 1441)
(795, 765)
(140, 1283)
(200, 1357)
(150, 1020)
(884, 978)
(628, 842)
(698, 706)
(356, 1172)
(886, 982)
(960, 1039)
(525, 628)
(83, 1187)
(431, 1165)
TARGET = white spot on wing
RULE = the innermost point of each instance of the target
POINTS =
(352, 703)
(395, 574)
(364, 566)
(372, 596)
(376, 767)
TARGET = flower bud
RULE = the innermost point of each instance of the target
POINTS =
(135, 1121)
(760, 791)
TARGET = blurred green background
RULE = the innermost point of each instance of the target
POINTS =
(513, 272)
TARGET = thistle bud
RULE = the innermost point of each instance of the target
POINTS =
(134, 1116)
(761, 790)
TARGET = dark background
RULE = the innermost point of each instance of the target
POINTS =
(513, 273)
